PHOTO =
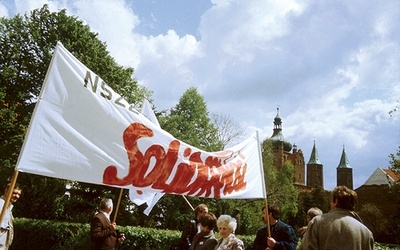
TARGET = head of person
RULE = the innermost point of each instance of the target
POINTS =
(207, 222)
(226, 225)
(343, 197)
(106, 205)
(200, 210)
(273, 211)
(312, 212)
(16, 193)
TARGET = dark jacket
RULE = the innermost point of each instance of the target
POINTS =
(204, 242)
(100, 233)
(188, 234)
(284, 235)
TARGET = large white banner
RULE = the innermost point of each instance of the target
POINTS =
(82, 130)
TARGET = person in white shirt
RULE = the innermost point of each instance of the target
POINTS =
(6, 228)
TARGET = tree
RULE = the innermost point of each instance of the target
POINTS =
(279, 183)
(374, 219)
(189, 122)
(27, 43)
(227, 129)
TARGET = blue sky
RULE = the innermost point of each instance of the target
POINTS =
(331, 66)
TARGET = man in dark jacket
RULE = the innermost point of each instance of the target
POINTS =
(103, 232)
(283, 236)
(192, 227)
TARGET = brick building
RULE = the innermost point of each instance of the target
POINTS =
(285, 152)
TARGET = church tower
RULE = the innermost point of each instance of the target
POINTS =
(315, 170)
(344, 172)
(283, 152)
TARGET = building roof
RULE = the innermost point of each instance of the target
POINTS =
(277, 137)
(381, 177)
(344, 162)
(314, 158)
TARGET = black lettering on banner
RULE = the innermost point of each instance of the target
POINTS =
(106, 92)
(88, 78)
(118, 101)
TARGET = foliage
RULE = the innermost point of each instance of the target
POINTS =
(41, 197)
(395, 163)
(318, 197)
(374, 219)
(45, 234)
(27, 44)
(189, 122)
(279, 183)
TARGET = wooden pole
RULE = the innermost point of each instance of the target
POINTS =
(188, 202)
(118, 203)
(267, 212)
(10, 191)
(263, 183)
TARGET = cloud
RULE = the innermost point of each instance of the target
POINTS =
(331, 67)
(3, 10)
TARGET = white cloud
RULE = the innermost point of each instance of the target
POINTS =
(332, 66)
(3, 10)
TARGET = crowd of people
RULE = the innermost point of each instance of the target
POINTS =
(340, 228)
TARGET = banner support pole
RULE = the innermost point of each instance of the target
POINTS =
(118, 203)
(264, 186)
(188, 202)
(10, 191)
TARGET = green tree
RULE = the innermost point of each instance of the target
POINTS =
(374, 219)
(27, 43)
(279, 183)
(189, 121)
(318, 197)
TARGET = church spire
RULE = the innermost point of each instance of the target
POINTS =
(344, 162)
(314, 158)
(277, 137)
(344, 172)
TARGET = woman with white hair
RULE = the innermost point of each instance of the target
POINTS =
(228, 241)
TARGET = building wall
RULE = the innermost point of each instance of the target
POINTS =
(297, 160)
(345, 177)
(315, 175)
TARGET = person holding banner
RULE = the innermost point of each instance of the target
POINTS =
(205, 239)
(283, 236)
(192, 227)
(7, 230)
(103, 232)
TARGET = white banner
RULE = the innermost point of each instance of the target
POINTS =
(82, 130)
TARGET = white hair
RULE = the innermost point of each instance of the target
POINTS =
(231, 222)
(105, 204)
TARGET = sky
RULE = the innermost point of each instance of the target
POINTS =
(331, 67)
